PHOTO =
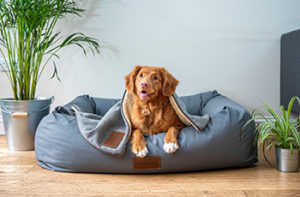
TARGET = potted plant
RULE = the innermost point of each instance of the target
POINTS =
(279, 131)
(28, 42)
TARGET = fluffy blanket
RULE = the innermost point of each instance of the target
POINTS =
(111, 132)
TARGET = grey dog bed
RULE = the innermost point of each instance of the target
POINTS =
(60, 146)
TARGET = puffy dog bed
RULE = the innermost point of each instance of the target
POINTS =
(61, 146)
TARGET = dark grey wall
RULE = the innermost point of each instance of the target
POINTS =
(290, 68)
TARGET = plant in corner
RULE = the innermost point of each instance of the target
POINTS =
(28, 44)
(279, 131)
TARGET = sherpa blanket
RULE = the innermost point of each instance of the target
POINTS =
(111, 132)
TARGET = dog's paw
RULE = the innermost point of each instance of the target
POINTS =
(140, 152)
(170, 147)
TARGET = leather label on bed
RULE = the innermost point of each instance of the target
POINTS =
(146, 163)
(114, 139)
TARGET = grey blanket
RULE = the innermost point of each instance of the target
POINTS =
(115, 127)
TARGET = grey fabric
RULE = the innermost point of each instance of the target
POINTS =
(198, 121)
(59, 145)
(290, 69)
(96, 129)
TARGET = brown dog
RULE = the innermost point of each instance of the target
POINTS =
(151, 111)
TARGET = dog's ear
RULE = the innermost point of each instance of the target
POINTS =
(169, 83)
(130, 79)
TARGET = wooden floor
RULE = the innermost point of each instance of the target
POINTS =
(21, 176)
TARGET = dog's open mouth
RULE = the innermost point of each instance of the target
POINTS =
(144, 94)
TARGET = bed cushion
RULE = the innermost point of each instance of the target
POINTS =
(59, 145)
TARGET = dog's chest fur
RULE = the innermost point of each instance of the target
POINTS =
(152, 118)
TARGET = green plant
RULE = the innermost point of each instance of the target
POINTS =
(29, 41)
(277, 130)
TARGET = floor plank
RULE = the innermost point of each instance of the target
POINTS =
(21, 176)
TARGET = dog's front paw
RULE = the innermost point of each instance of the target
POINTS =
(170, 147)
(140, 151)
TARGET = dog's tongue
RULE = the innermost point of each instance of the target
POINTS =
(144, 94)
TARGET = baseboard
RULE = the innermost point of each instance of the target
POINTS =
(293, 117)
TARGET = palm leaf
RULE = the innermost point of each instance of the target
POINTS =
(27, 33)
(55, 73)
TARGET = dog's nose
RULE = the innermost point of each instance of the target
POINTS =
(144, 84)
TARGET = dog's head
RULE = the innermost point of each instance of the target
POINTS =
(149, 82)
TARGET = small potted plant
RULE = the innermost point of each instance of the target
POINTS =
(279, 131)
(28, 43)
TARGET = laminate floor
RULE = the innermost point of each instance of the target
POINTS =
(20, 175)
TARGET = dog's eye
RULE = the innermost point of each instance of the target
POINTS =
(141, 75)
(155, 77)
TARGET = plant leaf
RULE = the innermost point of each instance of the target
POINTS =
(55, 73)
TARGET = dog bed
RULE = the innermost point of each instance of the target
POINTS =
(60, 146)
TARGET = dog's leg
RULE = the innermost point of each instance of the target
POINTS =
(139, 144)
(171, 144)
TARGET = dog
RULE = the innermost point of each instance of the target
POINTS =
(152, 112)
